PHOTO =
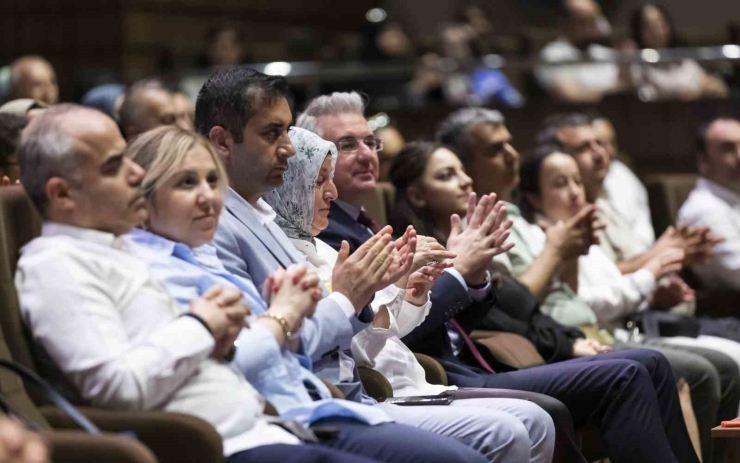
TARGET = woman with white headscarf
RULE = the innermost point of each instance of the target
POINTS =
(302, 208)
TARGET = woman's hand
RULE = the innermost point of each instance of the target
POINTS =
(295, 293)
(421, 281)
(430, 253)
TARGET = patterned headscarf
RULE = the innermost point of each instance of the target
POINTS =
(293, 201)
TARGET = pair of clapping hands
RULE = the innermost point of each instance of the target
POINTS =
(417, 262)
(293, 293)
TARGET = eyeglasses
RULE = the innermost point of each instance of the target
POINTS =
(349, 145)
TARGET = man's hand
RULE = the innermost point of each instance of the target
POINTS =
(421, 281)
(373, 266)
(224, 312)
(18, 445)
(671, 292)
(483, 238)
(585, 347)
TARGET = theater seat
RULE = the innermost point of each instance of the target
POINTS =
(509, 348)
(196, 439)
(379, 204)
(666, 193)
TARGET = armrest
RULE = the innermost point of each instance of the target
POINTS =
(509, 348)
(435, 373)
(76, 446)
(196, 439)
(376, 385)
(335, 391)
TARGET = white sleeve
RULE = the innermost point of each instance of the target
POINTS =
(72, 315)
(610, 294)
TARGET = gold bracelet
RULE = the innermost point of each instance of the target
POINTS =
(280, 319)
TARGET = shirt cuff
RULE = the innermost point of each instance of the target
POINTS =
(644, 281)
(475, 294)
(344, 303)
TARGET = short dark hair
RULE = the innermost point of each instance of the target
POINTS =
(132, 106)
(454, 130)
(638, 19)
(548, 134)
(230, 97)
(701, 132)
(11, 126)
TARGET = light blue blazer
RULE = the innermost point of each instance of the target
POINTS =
(253, 251)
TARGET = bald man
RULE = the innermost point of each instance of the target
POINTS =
(147, 104)
(33, 77)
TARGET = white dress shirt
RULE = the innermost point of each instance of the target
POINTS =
(381, 348)
(610, 294)
(629, 198)
(115, 334)
(719, 208)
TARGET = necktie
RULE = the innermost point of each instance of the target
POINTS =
(365, 219)
(471, 345)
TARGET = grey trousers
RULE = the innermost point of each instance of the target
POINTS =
(503, 430)
(714, 379)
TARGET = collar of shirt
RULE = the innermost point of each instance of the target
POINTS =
(725, 194)
(50, 229)
(350, 209)
(264, 211)
(512, 209)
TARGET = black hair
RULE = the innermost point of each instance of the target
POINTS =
(407, 168)
(636, 24)
(701, 132)
(231, 97)
(548, 134)
(530, 171)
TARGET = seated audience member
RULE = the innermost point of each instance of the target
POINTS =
(92, 306)
(33, 77)
(184, 111)
(683, 80)
(622, 188)
(252, 139)
(715, 201)
(339, 118)
(10, 136)
(483, 144)
(223, 47)
(516, 309)
(107, 98)
(302, 208)
(147, 104)
(585, 36)
(574, 134)
(184, 187)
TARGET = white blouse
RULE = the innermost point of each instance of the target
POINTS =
(381, 348)
(610, 294)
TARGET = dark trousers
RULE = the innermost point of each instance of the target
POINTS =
(629, 395)
(397, 443)
(283, 453)
(714, 379)
(566, 448)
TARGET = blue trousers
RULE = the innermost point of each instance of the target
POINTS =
(629, 395)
